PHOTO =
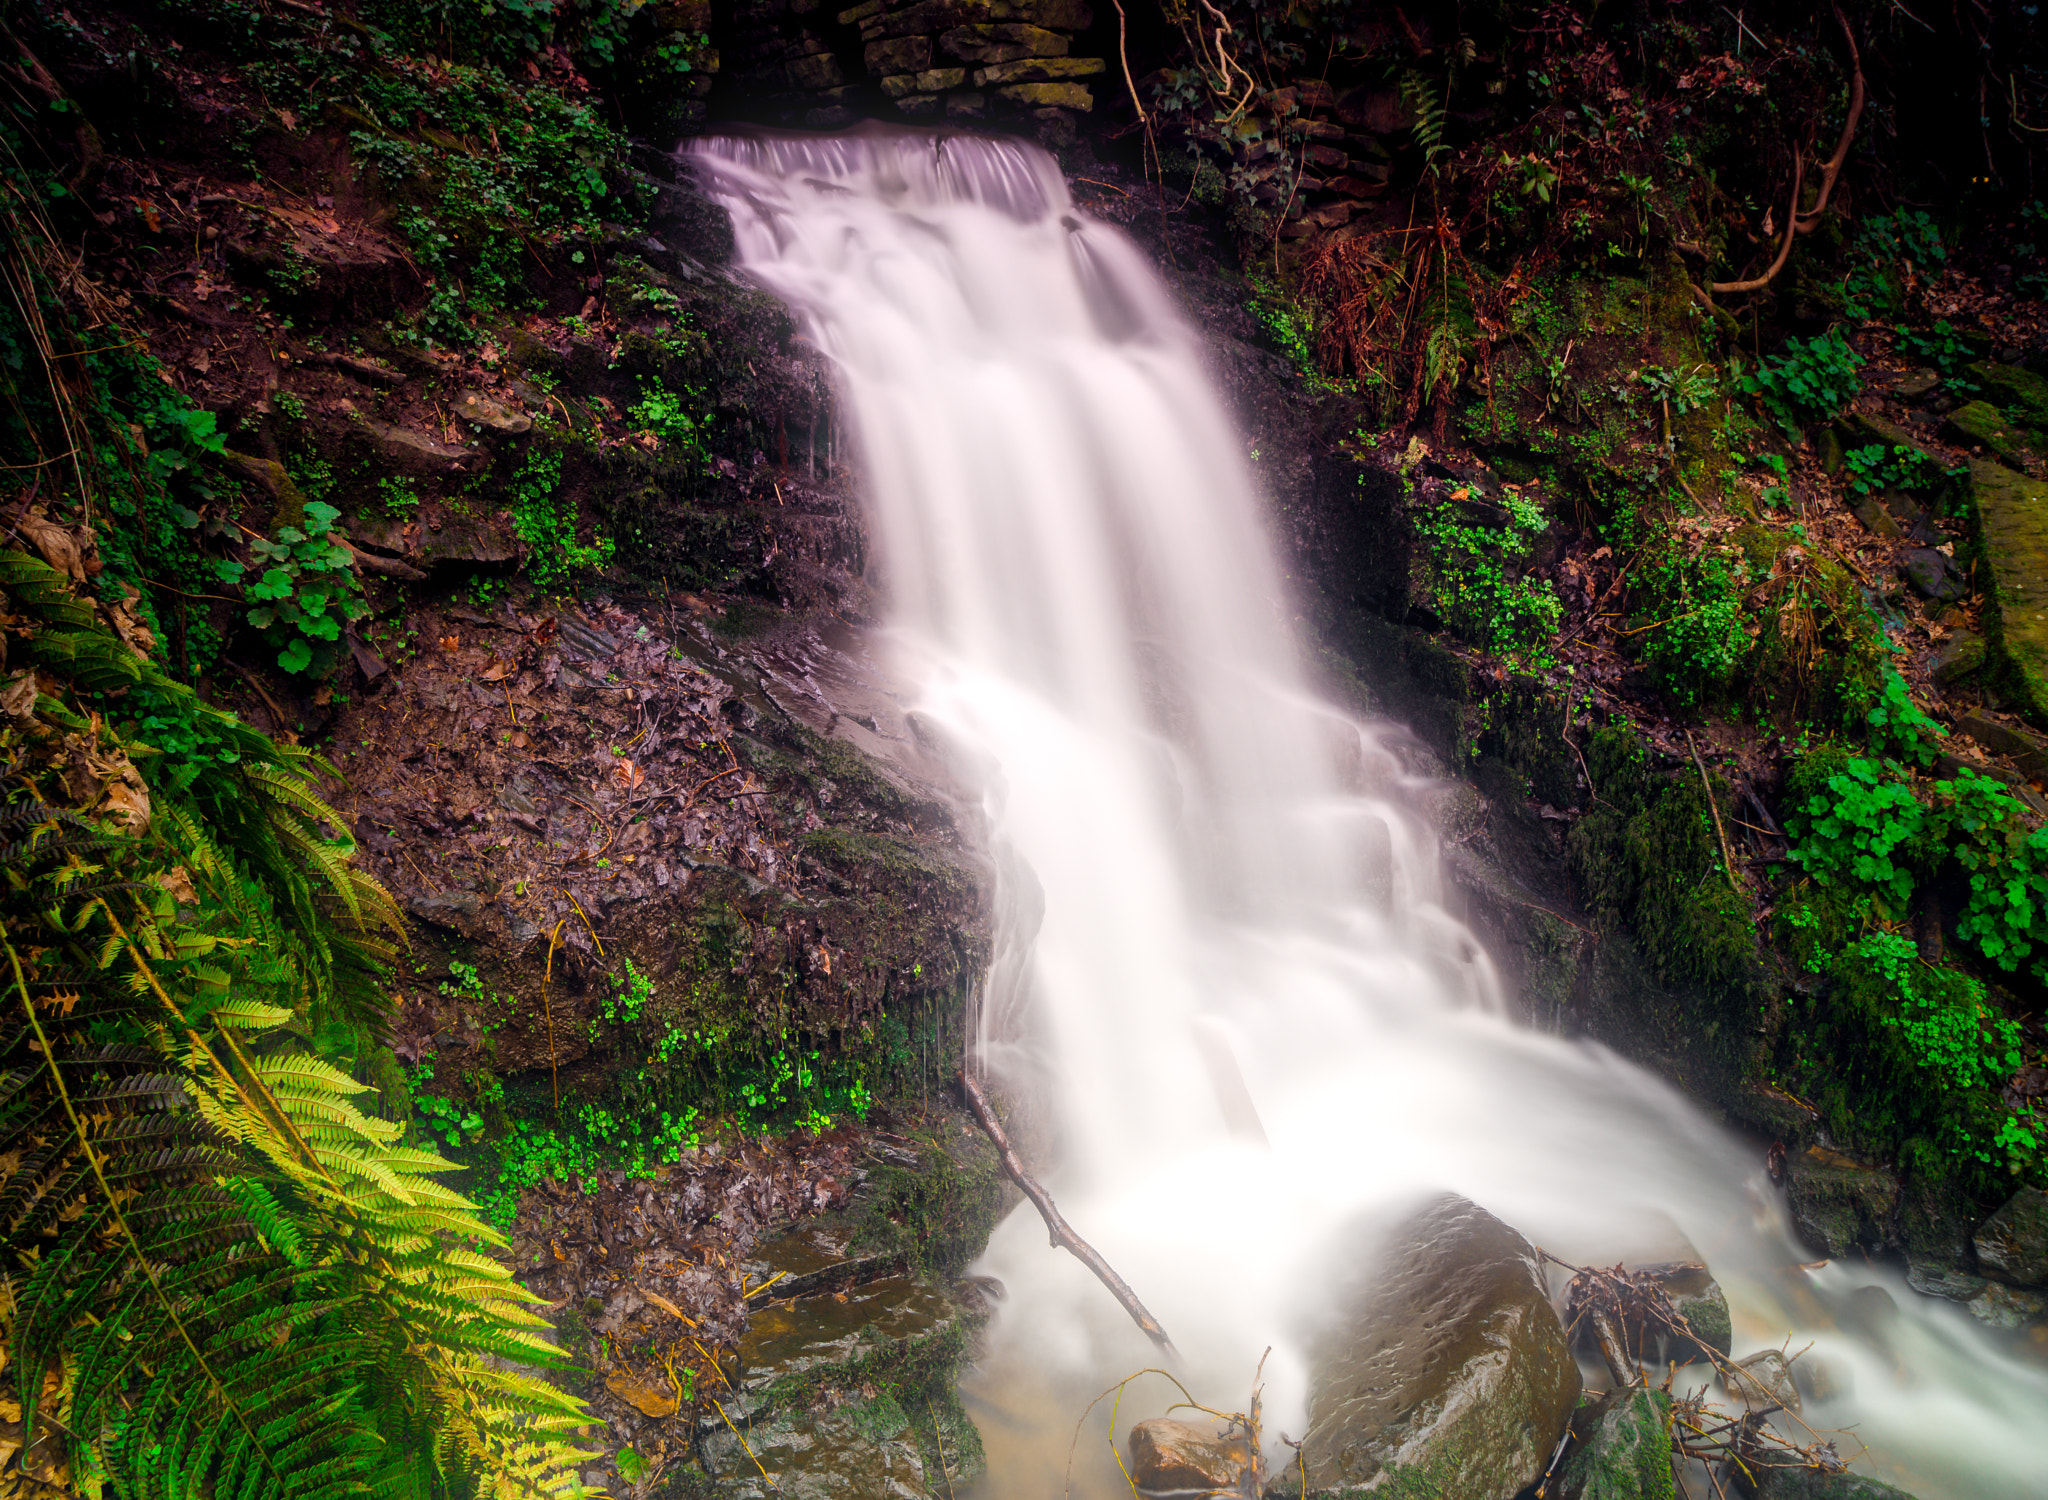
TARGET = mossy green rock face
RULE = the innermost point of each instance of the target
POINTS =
(1447, 1359)
(1982, 425)
(1811, 1484)
(2022, 391)
(1628, 1455)
(2012, 513)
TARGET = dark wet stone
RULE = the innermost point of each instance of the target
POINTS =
(1874, 516)
(2012, 1244)
(587, 641)
(1170, 1457)
(469, 540)
(816, 1334)
(858, 1452)
(1916, 385)
(414, 452)
(1959, 657)
(462, 911)
(1625, 1453)
(1934, 575)
(1447, 1360)
(814, 1257)
(1838, 1204)
(1943, 1281)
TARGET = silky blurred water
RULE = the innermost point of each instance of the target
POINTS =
(1209, 875)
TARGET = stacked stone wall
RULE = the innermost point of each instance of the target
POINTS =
(797, 63)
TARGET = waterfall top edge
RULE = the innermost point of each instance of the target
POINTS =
(922, 167)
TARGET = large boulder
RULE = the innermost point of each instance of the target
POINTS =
(1447, 1361)
(1624, 1449)
(2012, 1244)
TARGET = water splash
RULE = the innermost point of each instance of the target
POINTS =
(1225, 960)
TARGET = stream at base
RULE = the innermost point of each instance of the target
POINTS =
(1223, 961)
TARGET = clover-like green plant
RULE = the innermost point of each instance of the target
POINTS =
(306, 592)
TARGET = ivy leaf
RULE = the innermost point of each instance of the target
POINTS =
(296, 657)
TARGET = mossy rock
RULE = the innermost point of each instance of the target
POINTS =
(2021, 391)
(1982, 425)
(1838, 1204)
(1812, 1484)
(1627, 1455)
(2012, 517)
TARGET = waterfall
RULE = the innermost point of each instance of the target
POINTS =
(1225, 965)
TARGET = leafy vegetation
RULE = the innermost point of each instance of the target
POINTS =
(1695, 642)
(1812, 380)
(1476, 573)
(307, 592)
(226, 1260)
(545, 520)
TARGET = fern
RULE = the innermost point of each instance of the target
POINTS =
(1428, 103)
(248, 1286)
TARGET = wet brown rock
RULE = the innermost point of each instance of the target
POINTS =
(1448, 1359)
(1169, 1456)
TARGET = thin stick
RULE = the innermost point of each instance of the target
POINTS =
(1714, 807)
(548, 1009)
(773, 1487)
(1062, 1236)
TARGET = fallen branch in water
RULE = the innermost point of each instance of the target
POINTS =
(1062, 1236)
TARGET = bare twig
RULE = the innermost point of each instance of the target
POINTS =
(1062, 1236)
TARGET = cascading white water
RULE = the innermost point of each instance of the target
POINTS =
(1210, 876)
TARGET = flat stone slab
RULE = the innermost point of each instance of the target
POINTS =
(790, 1339)
(2012, 510)
(814, 1257)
